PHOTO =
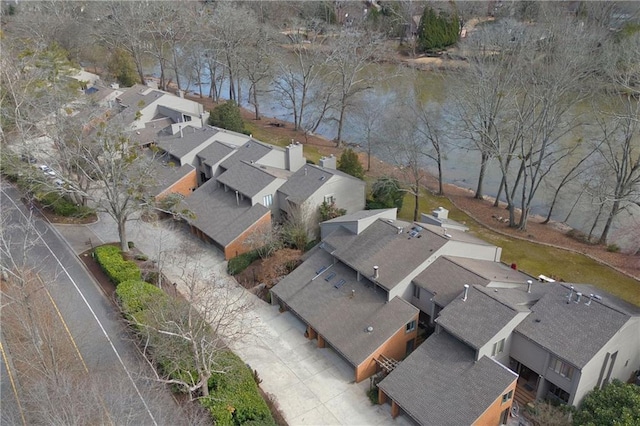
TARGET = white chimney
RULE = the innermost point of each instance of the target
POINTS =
(375, 272)
(529, 282)
(466, 292)
(578, 296)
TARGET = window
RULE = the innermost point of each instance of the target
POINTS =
(507, 396)
(410, 326)
(562, 368)
(267, 200)
(416, 292)
(557, 394)
(498, 347)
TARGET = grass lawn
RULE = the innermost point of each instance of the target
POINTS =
(535, 259)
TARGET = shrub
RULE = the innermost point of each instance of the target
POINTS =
(373, 395)
(350, 163)
(242, 262)
(63, 207)
(386, 193)
(227, 116)
(136, 295)
(117, 269)
(235, 399)
(613, 248)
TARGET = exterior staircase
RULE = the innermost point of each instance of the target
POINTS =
(523, 396)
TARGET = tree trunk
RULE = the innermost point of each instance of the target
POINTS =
(440, 183)
(343, 107)
(417, 207)
(496, 203)
(122, 234)
(483, 168)
(607, 226)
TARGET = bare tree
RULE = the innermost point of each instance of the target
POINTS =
(299, 81)
(124, 26)
(120, 174)
(368, 117)
(257, 61)
(350, 53)
(483, 102)
(620, 130)
(195, 329)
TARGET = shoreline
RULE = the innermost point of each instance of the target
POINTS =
(553, 234)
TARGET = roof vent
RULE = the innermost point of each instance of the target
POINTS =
(570, 294)
(466, 292)
(590, 299)
(529, 282)
(376, 274)
(369, 329)
(578, 297)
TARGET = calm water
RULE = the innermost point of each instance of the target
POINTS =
(461, 165)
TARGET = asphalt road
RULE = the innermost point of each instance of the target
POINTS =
(129, 395)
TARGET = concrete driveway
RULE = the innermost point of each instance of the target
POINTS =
(312, 386)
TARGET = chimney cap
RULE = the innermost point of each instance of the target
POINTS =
(375, 267)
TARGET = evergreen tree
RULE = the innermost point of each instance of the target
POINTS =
(386, 193)
(437, 31)
(227, 116)
(123, 69)
(350, 163)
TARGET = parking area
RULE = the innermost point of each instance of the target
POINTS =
(312, 386)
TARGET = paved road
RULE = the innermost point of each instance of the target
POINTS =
(100, 335)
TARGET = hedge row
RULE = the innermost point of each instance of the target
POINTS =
(63, 207)
(234, 398)
(117, 269)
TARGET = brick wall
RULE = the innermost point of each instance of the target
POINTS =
(493, 413)
(184, 186)
(395, 347)
(238, 246)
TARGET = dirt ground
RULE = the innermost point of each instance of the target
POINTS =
(553, 234)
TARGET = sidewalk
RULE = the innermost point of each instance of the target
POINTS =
(312, 386)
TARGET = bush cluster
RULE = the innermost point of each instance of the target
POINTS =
(235, 399)
(117, 269)
(63, 207)
(242, 262)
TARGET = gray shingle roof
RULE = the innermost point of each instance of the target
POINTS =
(304, 182)
(246, 178)
(215, 153)
(218, 215)
(191, 138)
(166, 175)
(439, 384)
(477, 319)
(445, 279)
(395, 254)
(492, 271)
(574, 332)
(250, 151)
(337, 315)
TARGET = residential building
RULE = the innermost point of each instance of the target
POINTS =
(494, 334)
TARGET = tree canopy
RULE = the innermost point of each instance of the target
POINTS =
(227, 116)
(616, 404)
(437, 30)
(350, 163)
